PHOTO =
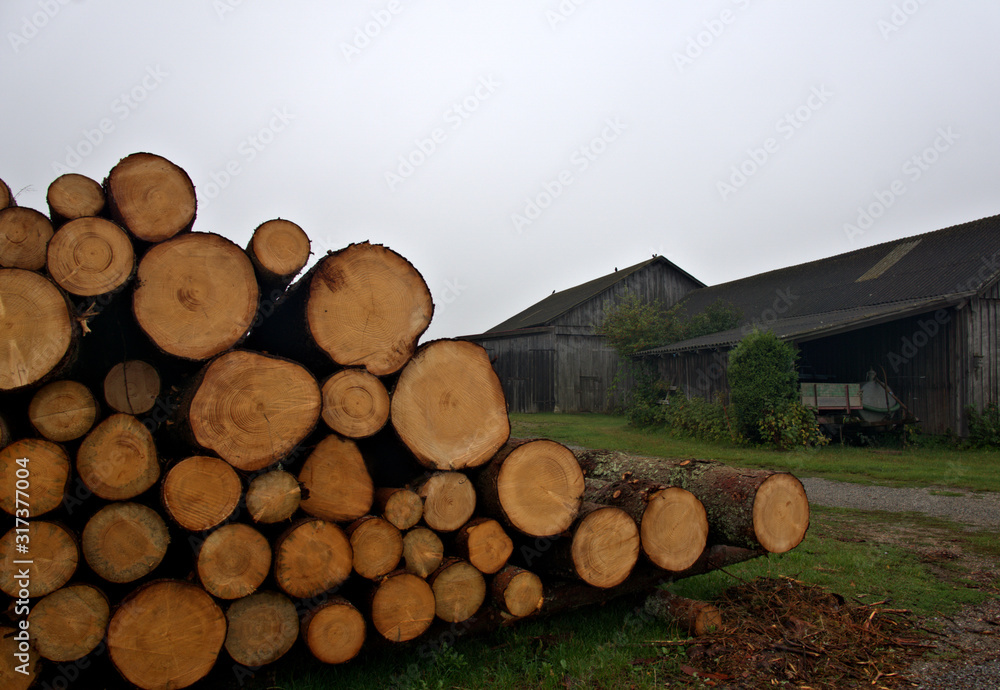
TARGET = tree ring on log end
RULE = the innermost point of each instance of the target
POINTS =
(355, 403)
(540, 486)
(166, 635)
(367, 307)
(336, 632)
(151, 196)
(36, 329)
(780, 513)
(252, 409)
(196, 295)
(90, 256)
(674, 529)
(605, 547)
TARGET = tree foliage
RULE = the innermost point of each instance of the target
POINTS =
(762, 379)
(633, 325)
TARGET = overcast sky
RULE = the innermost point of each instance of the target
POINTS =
(512, 148)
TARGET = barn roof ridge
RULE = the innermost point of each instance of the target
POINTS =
(545, 311)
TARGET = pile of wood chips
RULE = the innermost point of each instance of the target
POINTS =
(782, 631)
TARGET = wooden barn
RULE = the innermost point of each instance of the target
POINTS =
(549, 357)
(923, 312)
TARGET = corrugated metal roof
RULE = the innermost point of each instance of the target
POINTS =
(558, 303)
(892, 278)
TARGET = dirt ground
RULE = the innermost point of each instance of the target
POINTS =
(784, 633)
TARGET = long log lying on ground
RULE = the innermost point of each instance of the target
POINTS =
(673, 526)
(746, 507)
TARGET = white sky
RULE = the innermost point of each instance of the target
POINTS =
(632, 112)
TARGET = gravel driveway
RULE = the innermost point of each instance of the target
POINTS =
(979, 509)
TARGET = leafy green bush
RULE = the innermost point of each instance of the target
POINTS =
(762, 379)
(790, 426)
(984, 427)
(699, 418)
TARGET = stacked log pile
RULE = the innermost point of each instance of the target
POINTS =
(201, 458)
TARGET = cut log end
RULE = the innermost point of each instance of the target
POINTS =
(53, 550)
(279, 249)
(337, 481)
(63, 410)
(262, 628)
(70, 622)
(517, 591)
(36, 328)
(233, 561)
(402, 607)
(117, 460)
(166, 635)
(605, 547)
(780, 513)
(123, 542)
(72, 196)
(448, 406)
(196, 295)
(24, 238)
(132, 386)
(200, 492)
(151, 196)
(449, 500)
(252, 409)
(539, 487)
(367, 307)
(401, 507)
(41, 467)
(90, 257)
(674, 529)
(377, 546)
(334, 632)
(311, 557)
(484, 543)
(423, 551)
(273, 496)
(459, 590)
(355, 403)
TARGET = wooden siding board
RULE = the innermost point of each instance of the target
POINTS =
(656, 282)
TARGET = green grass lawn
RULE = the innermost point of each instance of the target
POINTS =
(865, 557)
(937, 465)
